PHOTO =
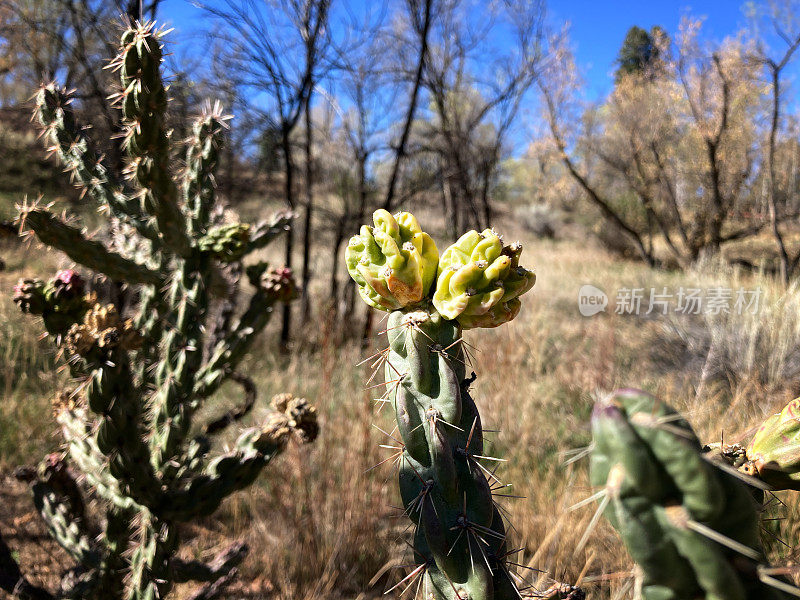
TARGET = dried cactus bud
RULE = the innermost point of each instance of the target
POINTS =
(773, 455)
(393, 263)
(102, 329)
(227, 243)
(66, 400)
(29, 296)
(279, 284)
(562, 591)
(480, 280)
(78, 340)
(301, 416)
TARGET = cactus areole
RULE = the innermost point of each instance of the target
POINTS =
(460, 537)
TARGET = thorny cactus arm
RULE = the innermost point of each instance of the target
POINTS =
(460, 539)
(144, 102)
(690, 526)
(254, 449)
(272, 285)
(55, 115)
(52, 231)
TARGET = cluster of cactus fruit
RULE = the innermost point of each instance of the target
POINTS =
(141, 370)
(690, 514)
(459, 543)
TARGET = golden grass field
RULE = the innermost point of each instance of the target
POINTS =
(321, 524)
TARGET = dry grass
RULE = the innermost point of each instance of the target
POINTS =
(321, 524)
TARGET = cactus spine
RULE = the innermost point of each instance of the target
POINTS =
(460, 538)
(141, 378)
(690, 526)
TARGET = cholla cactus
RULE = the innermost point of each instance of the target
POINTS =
(142, 377)
(689, 523)
(460, 540)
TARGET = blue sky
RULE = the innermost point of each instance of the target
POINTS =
(597, 27)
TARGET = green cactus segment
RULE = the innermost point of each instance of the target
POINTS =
(202, 156)
(667, 500)
(393, 263)
(52, 231)
(144, 103)
(226, 243)
(86, 456)
(119, 435)
(255, 448)
(773, 455)
(479, 280)
(460, 537)
(272, 286)
(56, 504)
(75, 152)
(150, 576)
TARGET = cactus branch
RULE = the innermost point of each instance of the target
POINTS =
(239, 412)
(690, 526)
(52, 231)
(55, 115)
(144, 102)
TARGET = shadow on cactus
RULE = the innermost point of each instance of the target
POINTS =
(689, 519)
(142, 371)
(460, 547)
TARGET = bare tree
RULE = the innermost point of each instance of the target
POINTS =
(783, 18)
(559, 87)
(277, 48)
(420, 15)
(682, 141)
(476, 90)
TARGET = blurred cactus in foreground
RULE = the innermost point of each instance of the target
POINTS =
(141, 372)
(460, 546)
(689, 522)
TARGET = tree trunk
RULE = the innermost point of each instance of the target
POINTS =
(286, 320)
(400, 151)
(306, 276)
(773, 186)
